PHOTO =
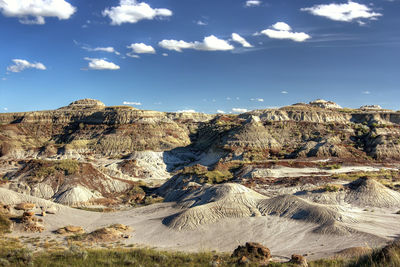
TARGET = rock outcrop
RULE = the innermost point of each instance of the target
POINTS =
(324, 104)
(252, 252)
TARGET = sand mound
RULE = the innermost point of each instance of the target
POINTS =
(214, 203)
(368, 192)
(75, 195)
(10, 197)
(293, 207)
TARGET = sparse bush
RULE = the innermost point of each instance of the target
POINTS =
(335, 166)
(5, 224)
(331, 188)
(48, 168)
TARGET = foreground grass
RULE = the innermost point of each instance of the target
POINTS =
(12, 253)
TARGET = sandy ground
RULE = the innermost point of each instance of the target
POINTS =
(283, 236)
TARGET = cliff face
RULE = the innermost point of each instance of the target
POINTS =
(90, 129)
(87, 151)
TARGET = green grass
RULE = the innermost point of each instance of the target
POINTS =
(12, 253)
(331, 188)
(5, 224)
(203, 175)
(48, 168)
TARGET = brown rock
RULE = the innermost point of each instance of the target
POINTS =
(28, 214)
(253, 252)
(299, 260)
(25, 206)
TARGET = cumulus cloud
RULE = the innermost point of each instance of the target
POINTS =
(22, 64)
(281, 30)
(252, 3)
(5, 109)
(131, 11)
(132, 103)
(257, 99)
(108, 49)
(281, 26)
(186, 111)
(239, 39)
(346, 12)
(284, 92)
(101, 64)
(239, 110)
(220, 111)
(35, 11)
(164, 54)
(141, 48)
(209, 43)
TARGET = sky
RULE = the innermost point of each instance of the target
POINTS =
(211, 56)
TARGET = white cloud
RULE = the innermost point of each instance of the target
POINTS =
(239, 39)
(35, 11)
(108, 49)
(220, 111)
(132, 103)
(281, 30)
(101, 64)
(209, 43)
(175, 45)
(164, 54)
(22, 64)
(239, 110)
(4, 79)
(228, 98)
(284, 92)
(257, 99)
(141, 48)
(5, 109)
(132, 55)
(201, 23)
(186, 111)
(346, 12)
(252, 3)
(131, 11)
(281, 26)
(366, 92)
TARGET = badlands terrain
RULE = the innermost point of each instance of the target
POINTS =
(316, 179)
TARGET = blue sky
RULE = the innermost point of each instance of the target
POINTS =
(203, 55)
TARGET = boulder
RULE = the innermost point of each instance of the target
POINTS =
(299, 260)
(25, 206)
(252, 252)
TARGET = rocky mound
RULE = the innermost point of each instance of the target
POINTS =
(252, 252)
(366, 192)
(68, 182)
(86, 103)
(370, 107)
(324, 104)
(105, 234)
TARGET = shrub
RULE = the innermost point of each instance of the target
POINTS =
(5, 224)
(331, 188)
(48, 168)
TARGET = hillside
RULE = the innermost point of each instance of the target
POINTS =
(317, 172)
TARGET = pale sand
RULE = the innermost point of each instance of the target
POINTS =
(283, 236)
